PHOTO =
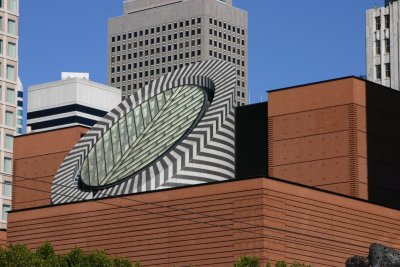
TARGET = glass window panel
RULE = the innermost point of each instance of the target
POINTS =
(85, 173)
(138, 120)
(10, 72)
(12, 50)
(131, 127)
(11, 26)
(1, 46)
(146, 113)
(11, 95)
(160, 100)
(123, 135)
(116, 144)
(12, 5)
(92, 168)
(153, 107)
(9, 140)
(101, 165)
(108, 148)
(7, 189)
(7, 165)
(168, 94)
(6, 209)
(9, 118)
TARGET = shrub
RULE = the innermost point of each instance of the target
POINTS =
(247, 261)
(252, 261)
(45, 256)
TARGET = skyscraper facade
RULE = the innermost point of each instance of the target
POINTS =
(382, 44)
(11, 94)
(155, 37)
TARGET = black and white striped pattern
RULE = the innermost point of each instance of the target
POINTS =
(205, 155)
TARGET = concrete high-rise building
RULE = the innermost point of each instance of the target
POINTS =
(11, 92)
(382, 44)
(155, 37)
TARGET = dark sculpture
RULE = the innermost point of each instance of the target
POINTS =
(379, 256)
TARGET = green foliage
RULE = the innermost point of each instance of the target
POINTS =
(284, 264)
(45, 256)
(298, 264)
(247, 261)
(252, 261)
(280, 264)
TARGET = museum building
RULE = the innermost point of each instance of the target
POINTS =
(178, 174)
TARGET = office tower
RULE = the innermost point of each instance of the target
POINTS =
(72, 101)
(382, 44)
(9, 88)
(155, 37)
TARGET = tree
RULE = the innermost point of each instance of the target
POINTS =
(252, 261)
(247, 261)
(45, 256)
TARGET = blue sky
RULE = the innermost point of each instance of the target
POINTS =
(290, 41)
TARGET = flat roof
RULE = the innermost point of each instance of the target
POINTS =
(325, 81)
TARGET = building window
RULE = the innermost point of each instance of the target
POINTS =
(7, 165)
(11, 27)
(10, 118)
(10, 72)
(387, 21)
(387, 45)
(10, 95)
(8, 143)
(387, 70)
(6, 209)
(12, 5)
(377, 23)
(378, 72)
(7, 189)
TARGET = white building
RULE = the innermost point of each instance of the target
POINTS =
(155, 37)
(72, 101)
(10, 100)
(382, 44)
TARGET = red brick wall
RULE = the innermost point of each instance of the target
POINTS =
(339, 135)
(214, 224)
(3, 238)
(36, 161)
(316, 136)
